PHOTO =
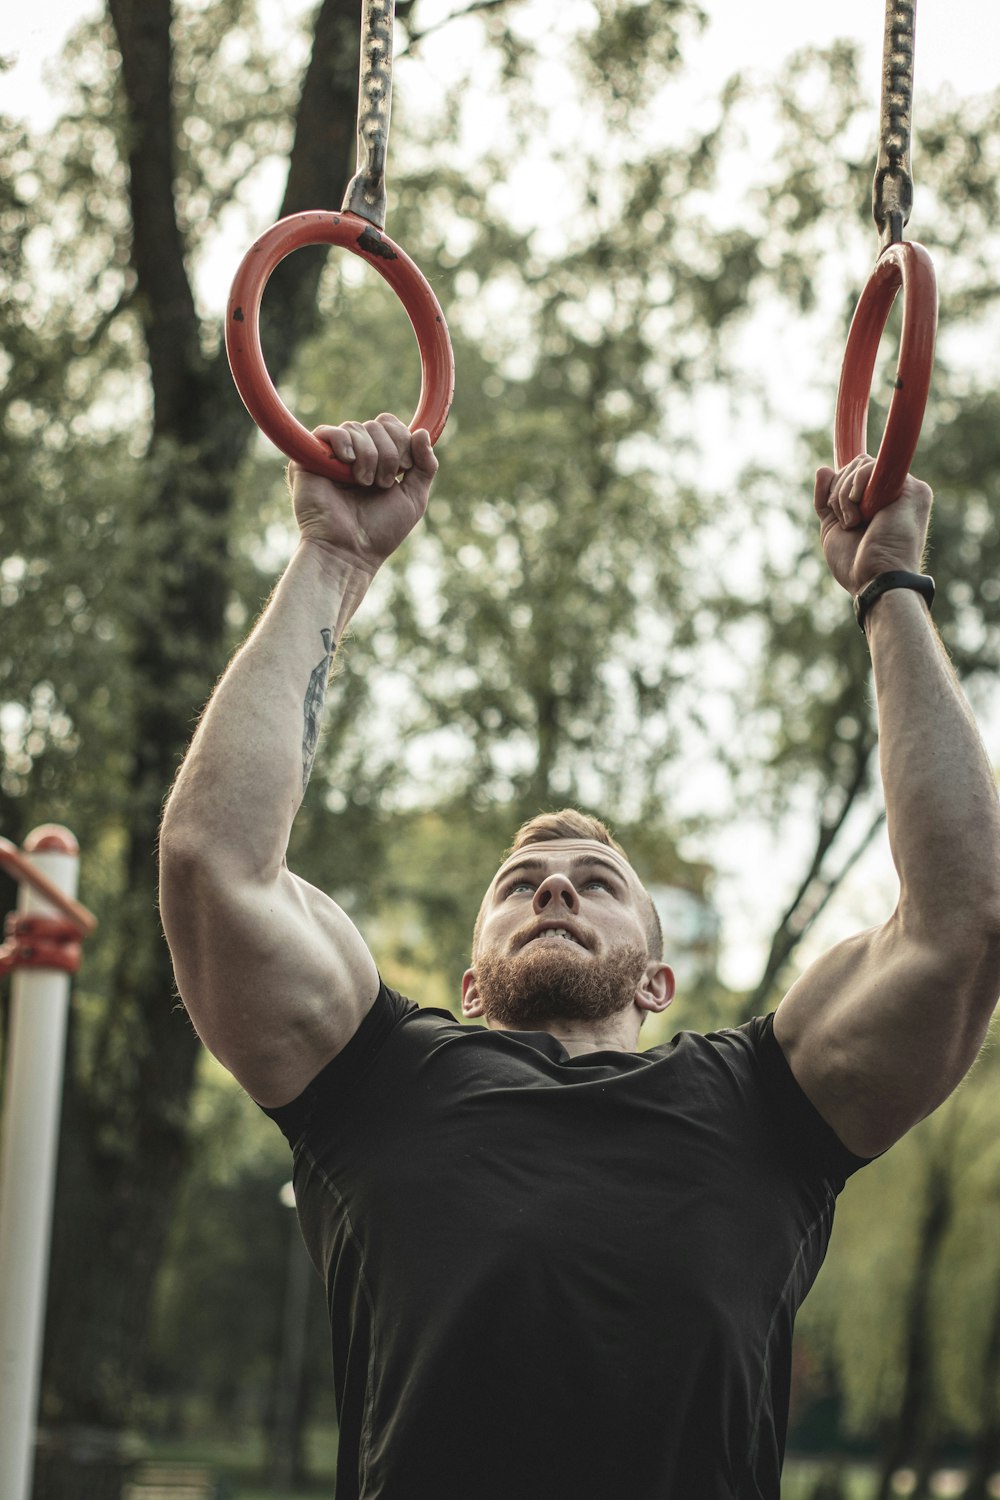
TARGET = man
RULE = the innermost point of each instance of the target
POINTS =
(558, 1267)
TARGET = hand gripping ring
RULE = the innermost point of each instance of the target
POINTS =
(908, 265)
(246, 358)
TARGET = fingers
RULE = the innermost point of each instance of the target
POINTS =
(920, 493)
(378, 451)
(821, 493)
(846, 489)
(340, 441)
(424, 459)
(838, 495)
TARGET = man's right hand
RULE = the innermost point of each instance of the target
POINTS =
(364, 523)
(894, 539)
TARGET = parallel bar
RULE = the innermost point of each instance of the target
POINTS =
(26, 870)
(29, 1136)
(892, 191)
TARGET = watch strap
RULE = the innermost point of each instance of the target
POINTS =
(921, 583)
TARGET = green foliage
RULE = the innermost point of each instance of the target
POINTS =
(634, 47)
(581, 619)
(221, 1299)
(859, 1315)
(234, 99)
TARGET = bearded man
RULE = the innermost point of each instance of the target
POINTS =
(558, 1267)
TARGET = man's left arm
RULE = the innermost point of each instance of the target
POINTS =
(882, 1028)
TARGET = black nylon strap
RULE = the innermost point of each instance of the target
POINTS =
(921, 583)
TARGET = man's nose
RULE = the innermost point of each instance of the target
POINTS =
(556, 890)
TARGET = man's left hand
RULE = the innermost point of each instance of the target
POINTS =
(894, 539)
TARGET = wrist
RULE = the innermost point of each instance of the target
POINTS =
(340, 568)
(917, 588)
(342, 578)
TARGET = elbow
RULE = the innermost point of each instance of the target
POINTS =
(192, 867)
(178, 838)
(978, 934)
(201, 876)
(962, 923)
(989, 939)
(182, 877)
(990, 913)
(180, 851)
(972, 976)
(975, 879)
(195, 851)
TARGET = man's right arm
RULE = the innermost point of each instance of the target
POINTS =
(275, 976)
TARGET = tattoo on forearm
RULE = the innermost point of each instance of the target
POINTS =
(313, 707)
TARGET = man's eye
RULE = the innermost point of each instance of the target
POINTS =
(518, 885)
(603, 885)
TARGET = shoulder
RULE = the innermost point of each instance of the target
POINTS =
(736, 1050)
(747, 1063)
(395, 1027)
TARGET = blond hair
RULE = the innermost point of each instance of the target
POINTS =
(569, 823)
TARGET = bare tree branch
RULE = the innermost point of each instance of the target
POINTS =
(456, 15)
(816, 889)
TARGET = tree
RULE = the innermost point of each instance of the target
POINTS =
(228, 1308)
(547, 637)
(899, 1264)
(160, 136)
(138, 172)
(802, 709)
(899, 1309)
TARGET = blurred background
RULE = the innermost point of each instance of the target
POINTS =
(648, 222)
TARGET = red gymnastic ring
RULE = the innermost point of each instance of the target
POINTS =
(907, 265)
(246, 358)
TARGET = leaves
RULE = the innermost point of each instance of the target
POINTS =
(585, 616)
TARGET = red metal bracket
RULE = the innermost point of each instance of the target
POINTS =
(83, 921)
(246, 358)
(37, 942)
(909, 266)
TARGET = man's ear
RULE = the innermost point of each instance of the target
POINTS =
(472, 1005)
(655, 989)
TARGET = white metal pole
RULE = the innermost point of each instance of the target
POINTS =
(30, 1130)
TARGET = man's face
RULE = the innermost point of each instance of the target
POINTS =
(563, 936)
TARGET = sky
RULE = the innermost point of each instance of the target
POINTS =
(958, 47)
(958, 41)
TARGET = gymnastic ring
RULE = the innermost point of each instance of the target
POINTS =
(906, 264)
(246, 357)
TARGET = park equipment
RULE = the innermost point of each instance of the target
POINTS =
(900, 263)
(42, 950)
(358, 227)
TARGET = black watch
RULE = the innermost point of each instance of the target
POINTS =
(921, 583)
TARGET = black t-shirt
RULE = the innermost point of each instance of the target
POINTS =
(554, 1277)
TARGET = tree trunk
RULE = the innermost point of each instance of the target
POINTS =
(124, 1123)
(910, 1441)
(985, 1462)
(985, 1466)
(830, 1484)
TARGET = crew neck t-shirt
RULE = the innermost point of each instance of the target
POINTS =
(555, 1277)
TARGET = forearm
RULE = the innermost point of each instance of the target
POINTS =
(245, 773)
(940, 791)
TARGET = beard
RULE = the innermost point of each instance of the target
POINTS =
(541, 983)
